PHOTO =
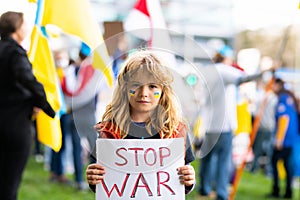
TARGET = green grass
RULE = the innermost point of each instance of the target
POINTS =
(36, 186)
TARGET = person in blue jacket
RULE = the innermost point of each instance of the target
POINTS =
(285, 137)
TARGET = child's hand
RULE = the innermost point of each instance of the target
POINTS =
(186, 175)
(94, 173)
(97, 127)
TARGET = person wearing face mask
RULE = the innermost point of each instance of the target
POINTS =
(21, 98)
(78, 84)
(56, 164)
(62, 59)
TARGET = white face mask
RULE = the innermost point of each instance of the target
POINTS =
(63, 63)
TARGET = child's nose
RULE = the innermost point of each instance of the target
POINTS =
(144, 91)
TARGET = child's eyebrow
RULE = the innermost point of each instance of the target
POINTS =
(153, 83)
(135, 83)
(150, 83)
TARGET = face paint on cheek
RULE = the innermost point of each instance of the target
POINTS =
(156, 95)
(131, 93)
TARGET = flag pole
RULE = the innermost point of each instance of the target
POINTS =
(37, 22)
(257, 119)
(253, 133)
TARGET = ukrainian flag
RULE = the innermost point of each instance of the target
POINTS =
(75, 17)
(40, 55)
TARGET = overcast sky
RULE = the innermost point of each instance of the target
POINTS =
(249, 14)
(252, 14)
(246, 13)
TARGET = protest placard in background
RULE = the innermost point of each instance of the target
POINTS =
(140, 169)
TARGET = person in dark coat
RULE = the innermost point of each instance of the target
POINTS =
(21, 98)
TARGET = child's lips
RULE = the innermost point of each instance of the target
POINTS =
(142, 101)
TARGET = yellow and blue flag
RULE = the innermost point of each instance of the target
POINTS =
(40, 55)
(75, 17)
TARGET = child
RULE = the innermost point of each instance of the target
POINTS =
(144, 106)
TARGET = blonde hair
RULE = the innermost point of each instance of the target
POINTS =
(166, 116)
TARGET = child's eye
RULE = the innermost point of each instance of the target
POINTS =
(153, 86)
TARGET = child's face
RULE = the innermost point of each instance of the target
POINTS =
(144, 93)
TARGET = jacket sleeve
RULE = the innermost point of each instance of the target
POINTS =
(247, 78)
(23, 73)
(107, 130)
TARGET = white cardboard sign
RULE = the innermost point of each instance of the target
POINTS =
(140, 169)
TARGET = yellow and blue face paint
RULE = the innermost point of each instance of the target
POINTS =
(156, 95)
(131, 93)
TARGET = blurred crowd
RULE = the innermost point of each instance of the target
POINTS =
(259, 131)
(230, 120)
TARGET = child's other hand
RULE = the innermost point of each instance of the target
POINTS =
(186, 175)
(94, 173)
